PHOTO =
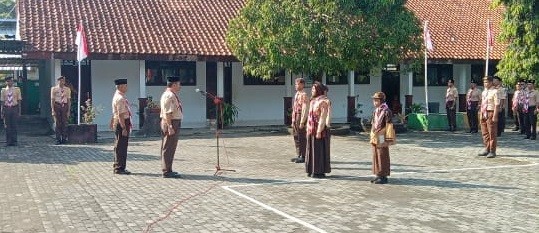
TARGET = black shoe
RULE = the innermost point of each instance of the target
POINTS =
(527, 137)
(293, 160)
(171, 175)
(64, 141)
(533, 137)
(483, 153)
(309, 174)
(381, 180)
(516, 129)
(58, 142)
(375, 179)
(300, 160)
(122, 172)
(322, 175)
(491, 155)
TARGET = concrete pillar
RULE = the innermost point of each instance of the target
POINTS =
(220, 79)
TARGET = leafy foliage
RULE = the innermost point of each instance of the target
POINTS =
(7, 10)
(519, 28)
(315, 36)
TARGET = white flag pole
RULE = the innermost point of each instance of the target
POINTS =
(426, 83)
(78, 100)
(488, 47)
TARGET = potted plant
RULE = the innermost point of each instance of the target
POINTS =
(356, 123)
(87, 131)
(230, 113)
(152, 119)
(152, 106)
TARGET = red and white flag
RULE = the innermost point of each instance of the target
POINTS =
(490, 35)
(427, 38)
(80, 41)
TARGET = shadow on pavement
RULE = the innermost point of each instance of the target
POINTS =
(442, 184)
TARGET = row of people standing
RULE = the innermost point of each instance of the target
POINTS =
(473, 100)
(311, 120)
(525, 106)
(171, 117)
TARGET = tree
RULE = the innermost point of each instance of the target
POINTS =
(315, 36)
(7, 10)
(520, 29)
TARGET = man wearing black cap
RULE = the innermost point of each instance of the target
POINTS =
(530, 109)
(60, 105)
(451, 96)
(171, 118)
(121, 124)
(10, 110)
(472, 102)
(502, 96)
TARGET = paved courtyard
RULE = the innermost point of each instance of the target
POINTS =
(438, 184)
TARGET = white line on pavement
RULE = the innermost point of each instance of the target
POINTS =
(306, 224)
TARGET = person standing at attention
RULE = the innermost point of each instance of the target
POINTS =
(489, 117)
(531, 108)
(472, 103)
(451, 96)
(516, 105)
(171, 120)
(502, 97)
(121, 124)
(10, 110)
(317, 157)
(380, 147)
(61, 107)
(300, 108)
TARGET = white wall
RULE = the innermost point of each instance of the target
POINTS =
(104, 72)
(461, 75)
(365, 92)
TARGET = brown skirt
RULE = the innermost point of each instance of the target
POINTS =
(317, 159)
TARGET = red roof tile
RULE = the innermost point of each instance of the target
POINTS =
(152, 27)
(197, 28)
(459, 27)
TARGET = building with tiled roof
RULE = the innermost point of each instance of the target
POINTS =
(147, 40)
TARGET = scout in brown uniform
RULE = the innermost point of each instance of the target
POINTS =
(121, 124)
(380, 147)
(10, 98)
(472, 103)
(317, 157)
(451, 96)
(530, 109)
(60, 105)
(299, 120)
(171, 119)
(502, 96)
(489, 116)
(516, 105)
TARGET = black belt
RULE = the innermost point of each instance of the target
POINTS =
(11, 106)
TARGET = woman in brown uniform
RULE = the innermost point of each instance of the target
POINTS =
(380, 147)
(317, 156)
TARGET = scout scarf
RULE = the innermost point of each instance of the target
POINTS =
(379, 116)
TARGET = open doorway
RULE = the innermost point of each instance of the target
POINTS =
(391, 87)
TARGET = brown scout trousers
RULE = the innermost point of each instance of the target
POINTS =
(168, 146)
(489, 131)
(60, 117)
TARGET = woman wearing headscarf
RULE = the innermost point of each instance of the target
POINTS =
(380, 147)
(317, 159)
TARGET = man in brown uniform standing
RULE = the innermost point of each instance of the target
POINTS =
(472, 103)
(502, 97)
(10, 98)
(121, 124)
(451, 96)
(299, 119)
(60, 105)
(171, 119)
(530, 109)
(489, 117)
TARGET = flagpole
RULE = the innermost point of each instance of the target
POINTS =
(426, 83)
(78, 99)
(488, 49)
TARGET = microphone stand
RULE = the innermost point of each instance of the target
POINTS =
(218, 102)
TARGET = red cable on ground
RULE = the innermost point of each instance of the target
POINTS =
(177, 204)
